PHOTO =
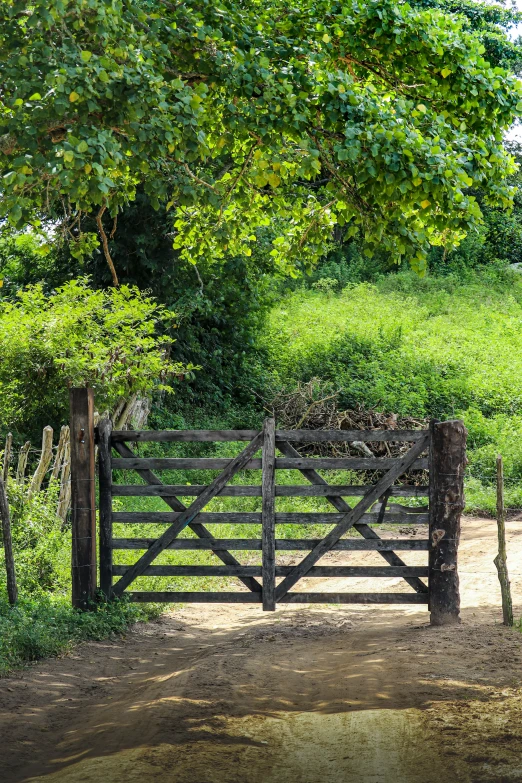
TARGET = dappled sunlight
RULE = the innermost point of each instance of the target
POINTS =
(220, 694)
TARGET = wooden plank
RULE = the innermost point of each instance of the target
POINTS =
(365, 530)
(7, 539)
(353, 516)
(183, 436)
(282, 463)
(346, 436)
(316, 571)
(346, 463)
(196, 527)
(83, 501)
(180, 463)
(268, 516)
(105, 505)
(281, 544)
(193, 598)
(255, 518)
(189, 514)
(355, 598)
(448, 463)
(205, 517)
(306, 598)
(255, 491)
(300, 436)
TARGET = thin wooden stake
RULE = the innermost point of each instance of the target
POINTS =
(501, 559)
(268, 516)
(64, 499)
(5, 518)
(22, 462)
(45, 460)
(7, 457)
(64, 438)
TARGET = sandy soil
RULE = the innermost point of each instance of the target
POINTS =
(221, 694)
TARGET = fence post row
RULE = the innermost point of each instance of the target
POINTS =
(447, 462)
(447, 467)
(83, 501)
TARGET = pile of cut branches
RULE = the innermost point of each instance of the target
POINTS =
(314, 406)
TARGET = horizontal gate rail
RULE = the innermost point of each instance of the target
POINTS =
(297, 436)
(316, 571)
(282, 544)
(249, 491)
(218, 463)
(254, 518)
(289, 598)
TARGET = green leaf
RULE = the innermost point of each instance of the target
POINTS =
(15, 214)
(86, 56)
(35, 97)
(73, 96)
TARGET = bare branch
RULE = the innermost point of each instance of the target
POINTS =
(105, 244)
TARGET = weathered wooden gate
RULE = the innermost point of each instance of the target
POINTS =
(439, 451)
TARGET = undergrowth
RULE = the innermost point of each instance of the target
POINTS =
(46, 625)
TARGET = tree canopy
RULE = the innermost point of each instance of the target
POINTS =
(371, 114)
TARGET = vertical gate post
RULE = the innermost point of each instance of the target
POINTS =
(447, 466)
(268, 515)
(83, 501)
(105, 505)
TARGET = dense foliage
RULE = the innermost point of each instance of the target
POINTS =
(374, 115)
(77, 335)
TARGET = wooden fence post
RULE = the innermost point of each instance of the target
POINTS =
(447, 466)
(105, 505)
(5, 519)
(7, 457)
(268, 516)
(501, 559)
(83, 497)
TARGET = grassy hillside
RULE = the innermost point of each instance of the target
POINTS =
(438, 347)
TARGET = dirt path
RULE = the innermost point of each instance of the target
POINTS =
(224, 694)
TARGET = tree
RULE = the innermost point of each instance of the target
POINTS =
(491, 23)
(369, 114)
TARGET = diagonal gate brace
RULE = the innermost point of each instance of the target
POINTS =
(188, 515)
(200, 530)
(341, 505)
(351, 518)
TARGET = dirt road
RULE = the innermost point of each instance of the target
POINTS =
(227, 694)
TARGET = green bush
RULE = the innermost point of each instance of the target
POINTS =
(76, 335)
(48, 625)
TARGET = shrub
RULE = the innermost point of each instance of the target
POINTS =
(110, 339)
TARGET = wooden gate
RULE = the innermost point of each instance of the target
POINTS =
(438, 453)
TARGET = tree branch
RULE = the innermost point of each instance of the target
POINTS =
(105, 244)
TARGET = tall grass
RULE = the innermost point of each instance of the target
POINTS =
(436, 347)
